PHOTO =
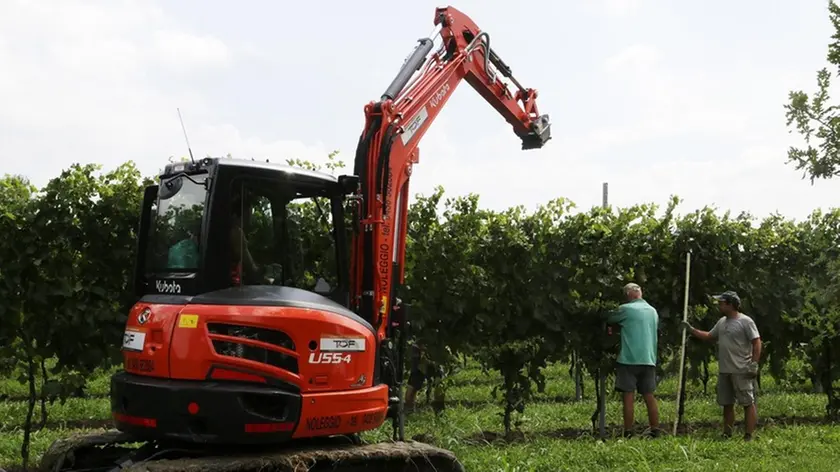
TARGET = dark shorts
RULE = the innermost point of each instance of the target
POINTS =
(417, 375)
(635, 378)
(420, 371)
(416, 378)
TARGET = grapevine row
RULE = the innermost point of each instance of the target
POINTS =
(514, 289)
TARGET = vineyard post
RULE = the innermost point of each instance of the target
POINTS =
(602, 377)
(681, 385)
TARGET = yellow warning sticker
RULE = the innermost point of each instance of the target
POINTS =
(188, 321)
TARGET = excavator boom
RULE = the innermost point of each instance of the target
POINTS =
(388, 147)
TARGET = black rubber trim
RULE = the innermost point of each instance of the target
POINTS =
(272, 381)
(224, 409)
(160, 299)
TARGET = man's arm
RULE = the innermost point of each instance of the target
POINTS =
(756, 349)
(240, 251)
(755, 339)
(617, 316)
(707, 336)
(702, 335)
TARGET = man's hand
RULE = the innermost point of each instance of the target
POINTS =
(752, 370)
(697, 333)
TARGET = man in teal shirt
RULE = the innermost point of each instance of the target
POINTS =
(636, 370)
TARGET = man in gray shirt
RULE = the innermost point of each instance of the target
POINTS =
(739, 350)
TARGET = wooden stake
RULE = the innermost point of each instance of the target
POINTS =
(602, 374)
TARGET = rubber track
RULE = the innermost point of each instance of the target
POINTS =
(386, 457)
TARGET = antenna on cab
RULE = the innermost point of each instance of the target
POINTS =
(185, 135)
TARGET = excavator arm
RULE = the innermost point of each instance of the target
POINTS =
(388, 148)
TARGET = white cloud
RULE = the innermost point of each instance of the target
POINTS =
(743, 167)
(99, 81)
(181, 49)
(668, 104)
(726, 148)
(619, 7)
(225, 139)
(638, 59)
(78, 85)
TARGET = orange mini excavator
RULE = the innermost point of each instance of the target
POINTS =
(264, 326)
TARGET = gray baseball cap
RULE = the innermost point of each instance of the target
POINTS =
(728, 296)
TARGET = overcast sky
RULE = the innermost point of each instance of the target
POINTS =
(655, 97)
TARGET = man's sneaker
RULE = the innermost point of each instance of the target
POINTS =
(653, 433)
(627, 434)
(727, 435)
(748, 437)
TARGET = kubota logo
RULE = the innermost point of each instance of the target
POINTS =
(164, 286)
(439, 95)
(144, 316)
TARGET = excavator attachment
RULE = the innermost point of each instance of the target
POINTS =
(114, 451)
(540, 133)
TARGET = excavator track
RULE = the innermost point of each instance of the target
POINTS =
(113, 451)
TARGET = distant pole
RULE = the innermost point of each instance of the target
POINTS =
(602, 394)
(606, 193)
(681, 385)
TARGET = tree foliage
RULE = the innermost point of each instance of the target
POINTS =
(815, 281)
(815, 118)
(513, 289)
(67, 258)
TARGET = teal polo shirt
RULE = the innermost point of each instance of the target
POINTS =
(183, 255)
(639, 332)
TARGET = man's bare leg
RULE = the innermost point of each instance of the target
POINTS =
(652, 410)
(410, 398)
(628, 398)
(728, 419)
(750, 420)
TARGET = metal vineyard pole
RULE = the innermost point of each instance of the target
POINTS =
(681, 385)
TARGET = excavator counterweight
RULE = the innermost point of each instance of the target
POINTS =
(253, 348)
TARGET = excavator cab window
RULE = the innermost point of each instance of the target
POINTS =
(176, 226)
(281, 235)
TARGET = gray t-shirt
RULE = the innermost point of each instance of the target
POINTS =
(734, 337)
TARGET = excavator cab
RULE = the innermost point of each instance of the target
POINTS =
(222, 223)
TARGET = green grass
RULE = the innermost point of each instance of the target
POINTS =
(97, 386)
(554, 432)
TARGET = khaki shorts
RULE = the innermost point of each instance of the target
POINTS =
(735, 388)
